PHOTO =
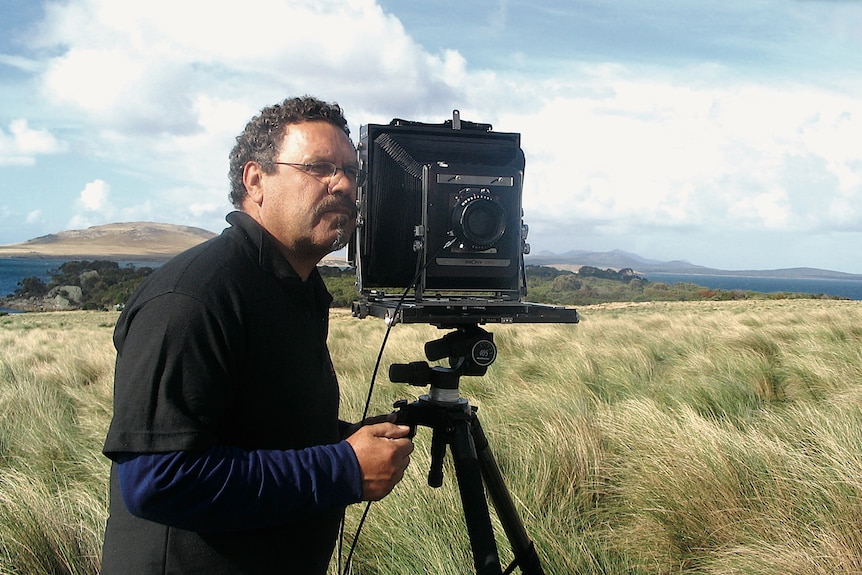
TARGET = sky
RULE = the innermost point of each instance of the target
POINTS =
(727, 133)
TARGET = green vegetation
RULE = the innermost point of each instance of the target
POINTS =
(592, 286)
(588, 286)
(696, 438)
(55, 390)
(341, 283)
(104, 285)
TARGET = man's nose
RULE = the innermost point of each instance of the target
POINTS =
(339, 183)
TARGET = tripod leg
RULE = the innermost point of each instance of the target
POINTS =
(522, 547)
(438, 452)
(476, 514)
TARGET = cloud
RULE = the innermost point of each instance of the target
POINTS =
(162, 95)
(22, 144)
(93, 206)
(21, 63)
(614, 150)
(94, 196)
(647, 153)
(143, 67)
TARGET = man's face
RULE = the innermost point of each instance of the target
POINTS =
(310, 216)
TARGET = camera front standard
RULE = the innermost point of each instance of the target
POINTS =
(441, 210)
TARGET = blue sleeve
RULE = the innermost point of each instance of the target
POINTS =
(229, 489)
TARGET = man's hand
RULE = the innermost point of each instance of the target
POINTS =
(383, 451)
(354, 427)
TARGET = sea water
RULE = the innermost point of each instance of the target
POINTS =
(851, 289)
(13, 270)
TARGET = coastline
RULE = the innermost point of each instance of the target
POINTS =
(15, 268)
(10, 306)
(152, 256)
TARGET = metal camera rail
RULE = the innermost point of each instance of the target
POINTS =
(452, 311)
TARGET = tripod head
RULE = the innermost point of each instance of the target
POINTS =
(470, 350)
(454, 422)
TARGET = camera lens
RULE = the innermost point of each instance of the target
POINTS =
(478, 219)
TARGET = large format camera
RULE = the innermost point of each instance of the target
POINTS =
(440, 214)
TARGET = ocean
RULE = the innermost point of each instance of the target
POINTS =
(13, 270)
(851, 289)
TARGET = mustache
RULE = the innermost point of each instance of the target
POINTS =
(337, 203)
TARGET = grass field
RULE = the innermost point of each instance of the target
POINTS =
(654, 438)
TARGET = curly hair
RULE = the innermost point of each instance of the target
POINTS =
(262, 137)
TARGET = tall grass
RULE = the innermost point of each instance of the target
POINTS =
(55, 394)
(697, 438)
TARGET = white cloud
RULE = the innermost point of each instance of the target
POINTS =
(647, 152)
(20, 62)
(161, 88)
(145, 66)
(80, 222)
(22, 144)
(93, 206)
(94, 196)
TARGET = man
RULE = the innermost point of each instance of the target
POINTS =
(228, 456)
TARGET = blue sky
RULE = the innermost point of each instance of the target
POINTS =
(726, 133)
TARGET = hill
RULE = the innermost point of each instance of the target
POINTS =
(132, 240)
(618, 259)
(158, 242)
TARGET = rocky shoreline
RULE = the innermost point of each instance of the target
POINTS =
(60, 298)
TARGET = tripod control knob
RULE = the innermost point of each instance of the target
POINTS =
(416, 373)
(483, 353)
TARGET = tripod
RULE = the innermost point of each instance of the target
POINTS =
(454, 422)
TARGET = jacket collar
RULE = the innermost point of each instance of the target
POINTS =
(264, 247)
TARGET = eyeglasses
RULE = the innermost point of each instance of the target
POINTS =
(328, 170)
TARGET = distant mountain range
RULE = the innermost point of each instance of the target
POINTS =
(618, 259)
(155, 241)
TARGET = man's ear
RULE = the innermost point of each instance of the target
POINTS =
(252, 178)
